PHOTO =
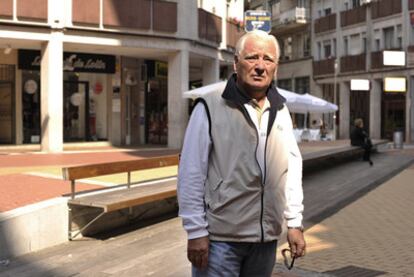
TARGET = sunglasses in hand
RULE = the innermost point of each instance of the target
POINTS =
(288, 258)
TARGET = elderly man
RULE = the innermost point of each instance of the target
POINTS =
(240, 174)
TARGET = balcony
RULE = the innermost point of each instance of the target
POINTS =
(384, 8)
(209, 26)
(234, 32)
(324, 67)
(353, 63)
(134, 15)
(326, 23)
(354, 16)
(291, 19)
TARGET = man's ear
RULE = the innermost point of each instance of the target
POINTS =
(236, 60)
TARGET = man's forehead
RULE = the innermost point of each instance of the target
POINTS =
(253, 46)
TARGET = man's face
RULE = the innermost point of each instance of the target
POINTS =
(256, 65)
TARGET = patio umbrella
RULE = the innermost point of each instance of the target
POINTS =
(297, 103)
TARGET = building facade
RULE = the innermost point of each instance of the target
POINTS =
(351, 41)
(108, 70)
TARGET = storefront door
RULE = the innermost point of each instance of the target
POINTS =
(157, 111)
(6, 112)
(393, 114)
(78, 118)
(359, 108)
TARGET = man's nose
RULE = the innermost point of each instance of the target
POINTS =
(259, 67)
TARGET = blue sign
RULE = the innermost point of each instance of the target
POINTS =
(258, 20)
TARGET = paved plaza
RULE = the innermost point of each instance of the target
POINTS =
(358, 223)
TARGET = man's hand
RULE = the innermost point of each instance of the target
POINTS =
(297, 242)
(197, 252)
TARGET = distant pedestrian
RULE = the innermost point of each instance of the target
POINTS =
(359, 137)
(240, 173)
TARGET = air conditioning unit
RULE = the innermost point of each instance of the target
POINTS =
(365, 2)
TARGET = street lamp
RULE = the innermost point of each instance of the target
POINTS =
(335, 74)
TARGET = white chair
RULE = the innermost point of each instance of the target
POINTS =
(298, 134)
(315, 134)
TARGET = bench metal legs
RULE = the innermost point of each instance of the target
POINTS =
(70, 236)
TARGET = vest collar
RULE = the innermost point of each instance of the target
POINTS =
(233, 94)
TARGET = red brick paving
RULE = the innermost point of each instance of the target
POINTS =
(18, 190)
(24, 160)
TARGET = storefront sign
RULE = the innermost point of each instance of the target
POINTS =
(394, 58)
(395, 84)
(76, 62)
(359, 84)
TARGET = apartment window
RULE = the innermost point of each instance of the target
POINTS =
(388, 37)
(319, 51)
(377, 44)
(302, 85)
(334, 48)
(399, 36)
(346, 6)
(306, 45)
(286, 48)
(327, 49)
(285, 84)
(346, 46)
(354, 45)
(328, 11)
(301, 3)
(364, 44)
(355, 3)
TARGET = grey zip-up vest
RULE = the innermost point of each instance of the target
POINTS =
(239, 206)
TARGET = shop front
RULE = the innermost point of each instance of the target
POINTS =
(86, 87)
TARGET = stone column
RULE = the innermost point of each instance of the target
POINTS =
(344, 96)
(375, 110)
(410, 110)
(178, 79)
(211, 71)
(51, 75)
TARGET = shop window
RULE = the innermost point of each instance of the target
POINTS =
(31, 106)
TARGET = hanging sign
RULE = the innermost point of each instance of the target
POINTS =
(258, 20)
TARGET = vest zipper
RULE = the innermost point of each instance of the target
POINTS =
(263, 177)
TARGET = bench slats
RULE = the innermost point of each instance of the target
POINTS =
(120, 199)
(93, 170)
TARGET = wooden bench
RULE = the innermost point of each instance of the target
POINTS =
(310, 159)
(118, 199)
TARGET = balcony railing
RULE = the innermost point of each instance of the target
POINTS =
(209, 26)
(234, 32)
(384, 8)
(353, 16)
(326, 23)
(296, 15)
(353, 63)
(324, 67)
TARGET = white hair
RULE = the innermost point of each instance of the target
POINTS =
(259, 34)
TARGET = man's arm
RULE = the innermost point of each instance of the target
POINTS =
(294, 195)
(192, 174)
